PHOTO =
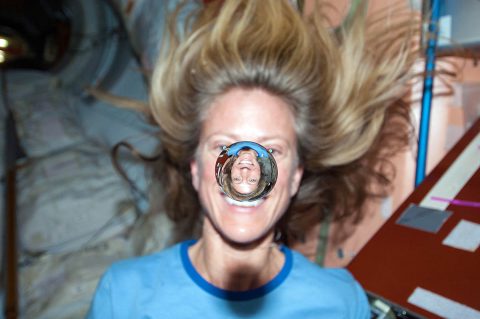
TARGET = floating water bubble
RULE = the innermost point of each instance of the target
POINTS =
(246, 171)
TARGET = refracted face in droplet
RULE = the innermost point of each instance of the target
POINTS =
(246, 172)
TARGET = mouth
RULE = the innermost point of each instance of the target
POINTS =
(254, 203)
(245, 163)
(245, 166)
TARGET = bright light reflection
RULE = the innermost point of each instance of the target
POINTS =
(2, 56)
(3, 43)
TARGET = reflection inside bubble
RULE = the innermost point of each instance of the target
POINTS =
(246, 171)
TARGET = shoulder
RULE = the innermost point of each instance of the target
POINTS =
(336, 286)
(128, 286)
(337, 276)
(145, 269)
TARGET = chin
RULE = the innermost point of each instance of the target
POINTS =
(245, 238)
(241, 223)
(241, 231)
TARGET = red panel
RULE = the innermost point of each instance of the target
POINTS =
(398, 259)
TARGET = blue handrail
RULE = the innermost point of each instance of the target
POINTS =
(432, 36)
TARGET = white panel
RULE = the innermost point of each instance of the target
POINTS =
(441, 306)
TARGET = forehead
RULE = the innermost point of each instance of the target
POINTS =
(251, 115)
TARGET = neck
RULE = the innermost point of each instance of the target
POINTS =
(236, 267)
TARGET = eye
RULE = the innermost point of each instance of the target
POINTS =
(236, 179)
(274, 151)
(217, 148)
(252, 180)
(220, 147)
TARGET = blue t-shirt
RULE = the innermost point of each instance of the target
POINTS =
(166, 285)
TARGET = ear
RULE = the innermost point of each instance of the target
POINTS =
(296, 179)
(194, 173)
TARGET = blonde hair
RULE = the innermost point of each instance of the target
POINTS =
(343, 86)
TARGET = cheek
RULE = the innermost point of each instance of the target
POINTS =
(203, 171)
(289, 178)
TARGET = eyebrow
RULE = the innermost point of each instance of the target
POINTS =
(237, 138)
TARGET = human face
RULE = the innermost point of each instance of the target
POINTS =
(246, 115)
(245, 172)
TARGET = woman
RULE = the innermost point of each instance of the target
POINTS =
(259, 71)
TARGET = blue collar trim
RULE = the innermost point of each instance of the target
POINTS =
(235, 295)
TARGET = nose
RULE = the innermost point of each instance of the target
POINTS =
(248, 176)
(244, 173)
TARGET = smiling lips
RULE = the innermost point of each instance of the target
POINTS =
(246, 161)
(245, 164)
(233, 202)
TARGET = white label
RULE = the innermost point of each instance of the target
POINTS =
(466, 236)
(441, 306)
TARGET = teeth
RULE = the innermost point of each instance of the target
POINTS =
(246, 162)
(254, 203)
